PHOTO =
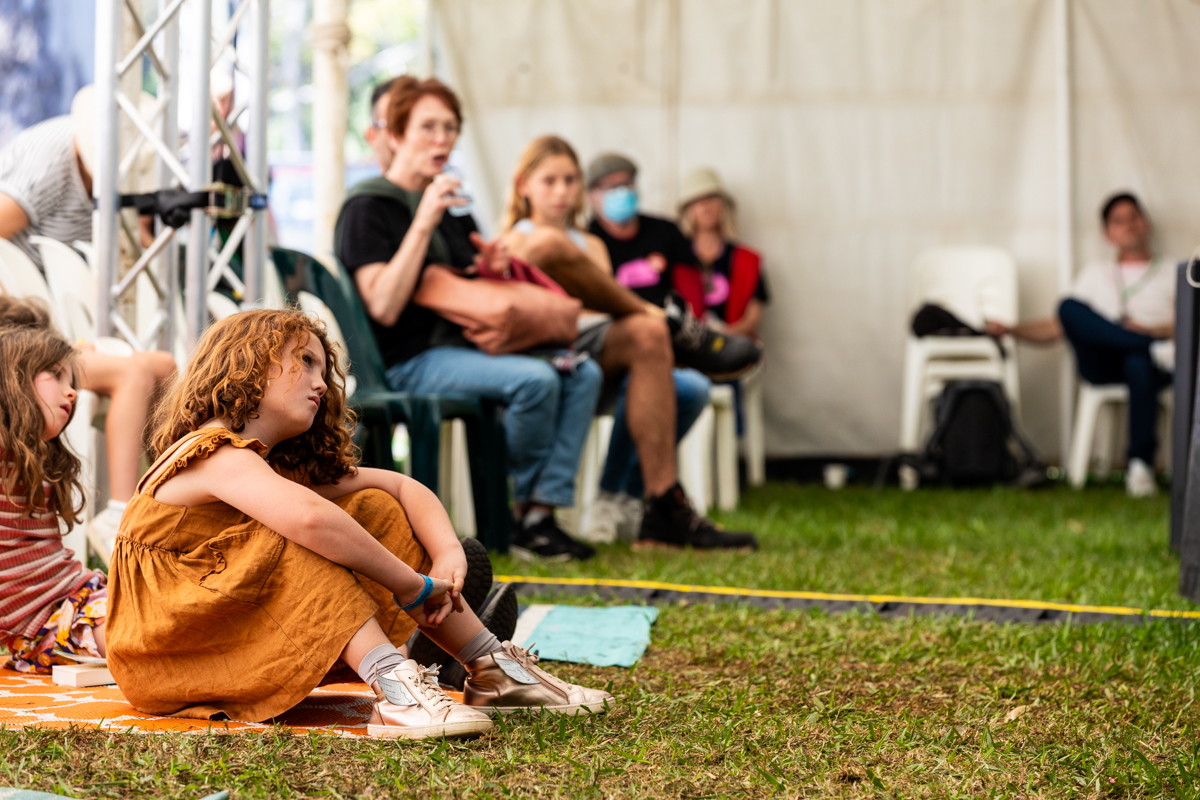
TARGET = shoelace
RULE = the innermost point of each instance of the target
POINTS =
(427, 682)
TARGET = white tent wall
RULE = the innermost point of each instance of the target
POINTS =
(853, 133)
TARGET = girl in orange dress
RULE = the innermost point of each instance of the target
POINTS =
(255, 555)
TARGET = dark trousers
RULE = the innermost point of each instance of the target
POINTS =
(1107, 353)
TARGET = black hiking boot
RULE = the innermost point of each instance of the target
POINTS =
(545, 541)
(671, 522)
(720, 356)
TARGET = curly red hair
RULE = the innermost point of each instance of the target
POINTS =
(226, 380)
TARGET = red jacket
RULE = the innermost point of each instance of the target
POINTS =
(745, 268)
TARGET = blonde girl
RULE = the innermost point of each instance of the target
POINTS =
(48, 601)
(256, 556)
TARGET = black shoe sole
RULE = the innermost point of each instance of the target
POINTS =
(476, 585)
(500, 611)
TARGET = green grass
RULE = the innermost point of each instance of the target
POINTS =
(731, 702)
(1095, 546)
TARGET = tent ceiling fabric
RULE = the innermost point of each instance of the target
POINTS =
(853, 135)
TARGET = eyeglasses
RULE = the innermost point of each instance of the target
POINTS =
(430, 130)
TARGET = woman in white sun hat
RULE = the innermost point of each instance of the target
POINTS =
(730, 283)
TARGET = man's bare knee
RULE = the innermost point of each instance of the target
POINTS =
(646, 337)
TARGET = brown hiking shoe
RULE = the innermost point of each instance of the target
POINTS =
(411, 705)
(510, 680)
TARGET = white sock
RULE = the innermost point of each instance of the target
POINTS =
(533, 516)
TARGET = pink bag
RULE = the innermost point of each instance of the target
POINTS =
(503, 314)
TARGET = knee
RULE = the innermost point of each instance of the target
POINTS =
(589, 374)
(549, 244)
(160, 362)
(538, 384)
(650, 336)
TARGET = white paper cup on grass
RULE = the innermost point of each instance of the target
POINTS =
(835, 476)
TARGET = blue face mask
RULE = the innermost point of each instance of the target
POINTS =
(620, 204)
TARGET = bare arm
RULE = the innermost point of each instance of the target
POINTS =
(1042, 331)
(428, 518)
(13, 218)
(425, 513)
(748, 324)
(1166, 331)
(245, 481)
(387, 288)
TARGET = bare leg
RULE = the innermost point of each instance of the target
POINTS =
(641, 345)
(369, 636)
(455, 631)
(98, 632)
(559, 258)
(129, 383)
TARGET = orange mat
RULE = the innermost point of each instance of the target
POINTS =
(338, 709)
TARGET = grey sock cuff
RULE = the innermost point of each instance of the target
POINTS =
(381, 659)
(484, 642)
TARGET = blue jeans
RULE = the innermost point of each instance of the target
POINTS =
(622, 469)
(547, 414)
(1107, 353)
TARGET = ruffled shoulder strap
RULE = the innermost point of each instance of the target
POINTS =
(197, 444)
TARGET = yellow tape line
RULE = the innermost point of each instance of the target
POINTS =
(853, 598)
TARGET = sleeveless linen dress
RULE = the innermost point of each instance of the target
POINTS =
(212, 613)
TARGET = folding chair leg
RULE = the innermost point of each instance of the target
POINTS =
(489, 478)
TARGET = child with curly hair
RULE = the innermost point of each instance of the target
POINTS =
(48, 601)
(256, 555)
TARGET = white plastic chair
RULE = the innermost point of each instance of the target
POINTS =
(20, 277)
(587, 477)
(707, 455)
(976, 284)
(1097, 423)
(754, 435)
(72, 287)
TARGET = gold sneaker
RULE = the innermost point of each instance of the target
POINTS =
(411, 705)
(510, 680)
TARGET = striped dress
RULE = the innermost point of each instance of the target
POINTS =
(36, 571)
(39, 171)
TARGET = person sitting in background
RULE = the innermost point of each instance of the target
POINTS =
(729, 289)
(46, 190)
(545, 204)
(1116, 310)
(129, 383)
(730, 285)
(375, 134)
(389, 231)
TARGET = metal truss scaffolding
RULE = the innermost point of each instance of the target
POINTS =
(182, 162)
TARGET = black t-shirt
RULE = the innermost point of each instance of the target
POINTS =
(643, 264)
(717, 284)
(372, 229)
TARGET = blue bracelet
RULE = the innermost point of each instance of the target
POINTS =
(422, 596)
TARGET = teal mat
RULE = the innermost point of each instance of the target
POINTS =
(602, 637)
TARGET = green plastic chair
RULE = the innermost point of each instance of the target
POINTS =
(380, 408)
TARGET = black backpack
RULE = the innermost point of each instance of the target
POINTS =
(975, 442)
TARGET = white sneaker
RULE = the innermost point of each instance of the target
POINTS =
(1139, 479)
(632, 509)
(102, 534)
(1162, 353)
(603, 519)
